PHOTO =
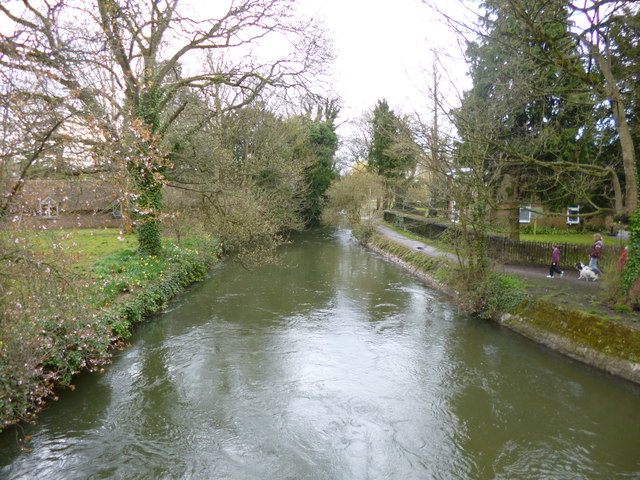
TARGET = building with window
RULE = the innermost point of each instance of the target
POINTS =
(67, 203)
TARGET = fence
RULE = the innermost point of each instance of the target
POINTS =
(504, 250)
(415, 224)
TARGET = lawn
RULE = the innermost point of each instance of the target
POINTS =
(585, 238)
(88, 245)
(80, 248)
(571, 238)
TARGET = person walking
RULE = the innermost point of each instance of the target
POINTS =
(555, 260)
(596, 253)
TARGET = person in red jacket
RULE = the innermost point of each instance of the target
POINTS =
(555, 260)
(623, 258)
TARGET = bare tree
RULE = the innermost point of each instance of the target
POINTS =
(121, 69)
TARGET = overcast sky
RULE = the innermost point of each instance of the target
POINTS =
(384, 51)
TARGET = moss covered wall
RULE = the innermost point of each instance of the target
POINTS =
(592, 339)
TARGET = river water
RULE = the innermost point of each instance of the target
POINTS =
(332, 365)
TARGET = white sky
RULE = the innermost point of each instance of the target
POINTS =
(383, 50)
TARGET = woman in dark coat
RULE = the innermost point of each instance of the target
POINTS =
(555, 260)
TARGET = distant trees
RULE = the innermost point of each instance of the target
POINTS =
(241, 177)
(322, 143)
(392, 151)
(319, 146)
(249, 175)
(350, 198)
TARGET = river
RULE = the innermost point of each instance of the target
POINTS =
(333, 364)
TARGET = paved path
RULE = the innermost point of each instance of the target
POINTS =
(414, 244)
(570, 276)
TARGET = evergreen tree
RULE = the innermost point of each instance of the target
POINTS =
(526, 116)
(321, 142)
(389, 153)
(384, 127)
(597, 36)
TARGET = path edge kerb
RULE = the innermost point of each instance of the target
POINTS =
(522, 323)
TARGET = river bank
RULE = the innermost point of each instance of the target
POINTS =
(608, 342)
(48, 348)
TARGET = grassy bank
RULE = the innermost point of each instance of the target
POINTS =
(585, 238)
(498, 293)
(109, 289)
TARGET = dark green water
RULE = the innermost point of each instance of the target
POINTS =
(334, 365)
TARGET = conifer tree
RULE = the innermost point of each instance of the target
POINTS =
(387, 153)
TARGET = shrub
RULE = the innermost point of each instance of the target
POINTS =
(504, 294)
(623, 308)
(364, 231)
(631, 271)
(486, 297)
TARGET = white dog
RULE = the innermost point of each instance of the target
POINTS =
(586, 272)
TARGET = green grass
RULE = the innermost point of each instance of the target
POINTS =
(124, 270)
(86, 246)
(585, 238)
(572, 238)
(92, 244)
(77, 249)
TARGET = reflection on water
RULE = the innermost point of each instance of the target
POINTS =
(333, 365)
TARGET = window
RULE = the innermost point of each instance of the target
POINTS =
(572, 215)
(116, 212)
(526, 214)
(48, 208)
(454, 214)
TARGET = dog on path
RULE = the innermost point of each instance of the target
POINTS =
(586, 272)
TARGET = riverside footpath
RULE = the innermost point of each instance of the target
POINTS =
(567, 291)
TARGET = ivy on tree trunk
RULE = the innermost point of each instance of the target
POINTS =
(631, 270)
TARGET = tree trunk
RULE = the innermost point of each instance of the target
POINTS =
(617, 192)
(511, 193)
(624, 134)
(514, 222)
